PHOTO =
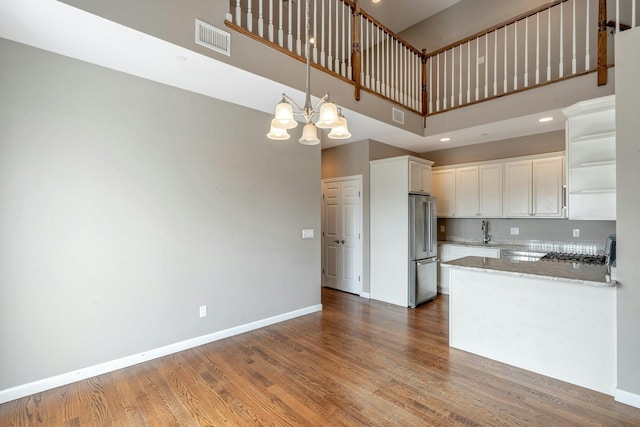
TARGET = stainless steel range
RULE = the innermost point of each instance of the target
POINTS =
(581, 258)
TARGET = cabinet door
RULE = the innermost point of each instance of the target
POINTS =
(467, 192)
(425, 175)
(444, 189)
(548, 180)
(415, 177)
(490, 190)
(517, 192)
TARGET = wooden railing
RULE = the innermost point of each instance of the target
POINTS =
(347, 42)
(559, 40)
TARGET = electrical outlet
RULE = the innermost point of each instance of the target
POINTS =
(203, 311)
(442, 228)
(576, 232)
(515, 231)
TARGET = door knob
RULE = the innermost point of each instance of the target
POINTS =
(342, 241)
(337, 241)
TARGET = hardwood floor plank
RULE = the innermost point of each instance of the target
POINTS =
(356, 363)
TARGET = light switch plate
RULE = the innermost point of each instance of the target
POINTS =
(308, 233)
(515, 231)
(203, 311)
(576, 232)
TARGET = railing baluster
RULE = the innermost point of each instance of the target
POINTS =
(438, 83)
(561, 64)
(587, 57)
(477, 69)
(329, 45)
(238, 14)
(515, 56)
(315, 31)
(260, 20)
(362, 74)
(573, 38)
(506, 73)
(548, 44)
(444, 86)
(249, 17)
(280, 29)
(486, 65)
(460, 82)
(322, 52)
(495, 62)
(336, 66)
(538, 48)
(343, 63)
(289, 30)
(270, 31)
(526, 52)
(298, 39)
(469, 71)
(617, 16)
(453, 77)
(633, 13)
(379, 62)
(349, 37)
(395, 71)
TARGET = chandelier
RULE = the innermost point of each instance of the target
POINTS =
(329, 116)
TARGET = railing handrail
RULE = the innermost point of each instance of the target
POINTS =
(495, 27)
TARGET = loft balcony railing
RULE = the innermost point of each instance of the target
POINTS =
(559, 40)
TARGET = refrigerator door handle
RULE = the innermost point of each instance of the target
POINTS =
(427, 221)
(425, 228)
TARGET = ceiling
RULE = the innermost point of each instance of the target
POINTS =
(398, 15)
(60, 28)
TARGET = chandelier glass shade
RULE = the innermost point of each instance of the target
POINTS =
(329, 116)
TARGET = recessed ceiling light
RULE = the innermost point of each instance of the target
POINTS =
(545, 119)
(484, 134)
(445, 139)
(375, 1)
(181, 58)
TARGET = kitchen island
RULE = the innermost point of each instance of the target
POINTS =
(554, 318)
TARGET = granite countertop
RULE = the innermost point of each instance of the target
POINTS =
(593, 275)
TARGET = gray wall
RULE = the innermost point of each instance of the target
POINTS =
(628, 231)
(513, 147)
(353, 159)
(126, 204)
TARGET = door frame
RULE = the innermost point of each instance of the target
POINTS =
(323, 222)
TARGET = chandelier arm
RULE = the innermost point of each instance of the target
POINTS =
(295, 104)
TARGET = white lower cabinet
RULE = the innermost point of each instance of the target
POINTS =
(448, 252)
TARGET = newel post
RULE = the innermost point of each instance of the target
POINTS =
(356, 56)
(425, 105)
(602, 43)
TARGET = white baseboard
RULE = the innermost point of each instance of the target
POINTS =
(38, 386)
(366, 295)
(627, 398)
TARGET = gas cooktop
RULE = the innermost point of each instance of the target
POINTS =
(581, 258)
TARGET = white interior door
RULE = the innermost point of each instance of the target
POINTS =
(342, 234)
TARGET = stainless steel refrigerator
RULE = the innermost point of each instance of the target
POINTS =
(423, 271)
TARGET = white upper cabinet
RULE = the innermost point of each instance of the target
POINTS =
(531, 187)
(444, 189)
(591, 159)
(419, 177)
(490, 190)
(535, 188)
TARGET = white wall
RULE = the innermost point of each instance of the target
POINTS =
(628, 175)
(126, 204)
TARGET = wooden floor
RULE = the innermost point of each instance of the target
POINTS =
(357, 363)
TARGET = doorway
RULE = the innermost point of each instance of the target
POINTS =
(342, 234)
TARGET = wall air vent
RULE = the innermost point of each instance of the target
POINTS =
(398, 115)
(213, 38)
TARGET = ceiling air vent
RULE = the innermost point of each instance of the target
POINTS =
(398, 115)
(213, 38)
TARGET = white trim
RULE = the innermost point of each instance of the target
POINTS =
(366, 295)
(627, 398)
(38, 386)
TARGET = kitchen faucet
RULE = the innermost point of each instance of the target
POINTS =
(485, 232)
